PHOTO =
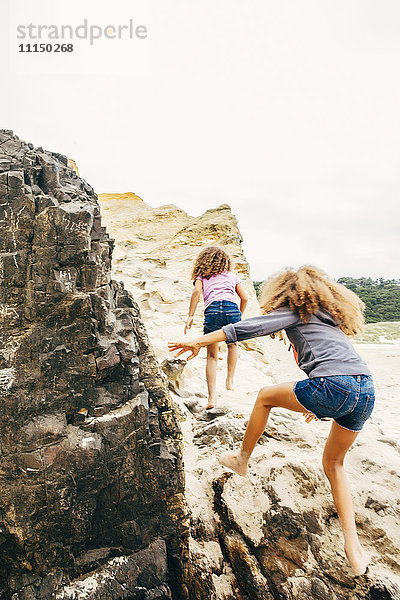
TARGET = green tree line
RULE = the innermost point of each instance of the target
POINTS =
(381, 296)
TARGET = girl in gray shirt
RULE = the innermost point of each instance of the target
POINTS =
(317, 315)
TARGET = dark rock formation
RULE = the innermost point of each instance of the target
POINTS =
(246, 568)
(92, 488)
(173, 369)
(384, 590)
(286, 563)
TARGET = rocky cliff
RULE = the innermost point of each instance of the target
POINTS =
(92, 485)
(275, 534)
(93, 504)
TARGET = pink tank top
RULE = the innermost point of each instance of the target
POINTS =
(219, 287)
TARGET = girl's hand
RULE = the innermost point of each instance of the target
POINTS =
(308, 417)
(189, 324)
(192, 347)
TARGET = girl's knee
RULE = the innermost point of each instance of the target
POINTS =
(265, 395)
(331, 465)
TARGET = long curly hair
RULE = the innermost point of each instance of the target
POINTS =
(307, 289)
(211, 261)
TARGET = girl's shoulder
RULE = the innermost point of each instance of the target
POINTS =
(229, 275)
(232, 275)
(224, 275)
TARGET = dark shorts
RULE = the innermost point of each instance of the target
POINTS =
(220, 313)
(347, 399)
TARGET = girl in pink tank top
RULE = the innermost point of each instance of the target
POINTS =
(213, 277)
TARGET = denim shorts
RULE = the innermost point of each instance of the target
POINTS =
(347, 399)
(220, 313)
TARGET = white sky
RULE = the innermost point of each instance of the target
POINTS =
(288, 111)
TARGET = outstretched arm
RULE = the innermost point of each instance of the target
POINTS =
(281, 318)
(194, 346)
(194, 300)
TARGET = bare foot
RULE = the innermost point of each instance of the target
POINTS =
(358, 559)
(234, 461)
(211, 403)
(229, 384)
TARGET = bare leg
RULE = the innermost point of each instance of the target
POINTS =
(231, 365)
(276, 395)
(336, 447)
(211, 374)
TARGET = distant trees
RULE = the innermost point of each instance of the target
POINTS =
(381, 296)
(257, 286)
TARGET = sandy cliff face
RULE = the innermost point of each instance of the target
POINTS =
(91, 490)
(155, 248)
(274, 535)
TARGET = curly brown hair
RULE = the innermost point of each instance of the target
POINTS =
(211, 261)
(307, 289)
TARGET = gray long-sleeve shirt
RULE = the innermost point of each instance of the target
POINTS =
(321, 348)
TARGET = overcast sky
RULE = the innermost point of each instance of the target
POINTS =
(287, 110)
